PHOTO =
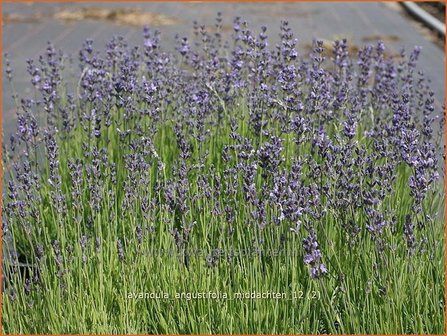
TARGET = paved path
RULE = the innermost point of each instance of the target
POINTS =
(359, 22)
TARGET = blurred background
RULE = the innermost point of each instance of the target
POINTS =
(27, 26)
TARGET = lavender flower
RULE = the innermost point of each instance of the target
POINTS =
(312, 256)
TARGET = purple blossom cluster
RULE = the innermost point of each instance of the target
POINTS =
(220, 139)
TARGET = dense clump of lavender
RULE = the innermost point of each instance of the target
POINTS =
(219, 143)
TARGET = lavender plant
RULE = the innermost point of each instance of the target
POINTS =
(226, 167)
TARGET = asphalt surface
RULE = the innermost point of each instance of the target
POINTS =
(30, 25)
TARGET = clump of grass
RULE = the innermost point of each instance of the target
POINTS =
(225, 189)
